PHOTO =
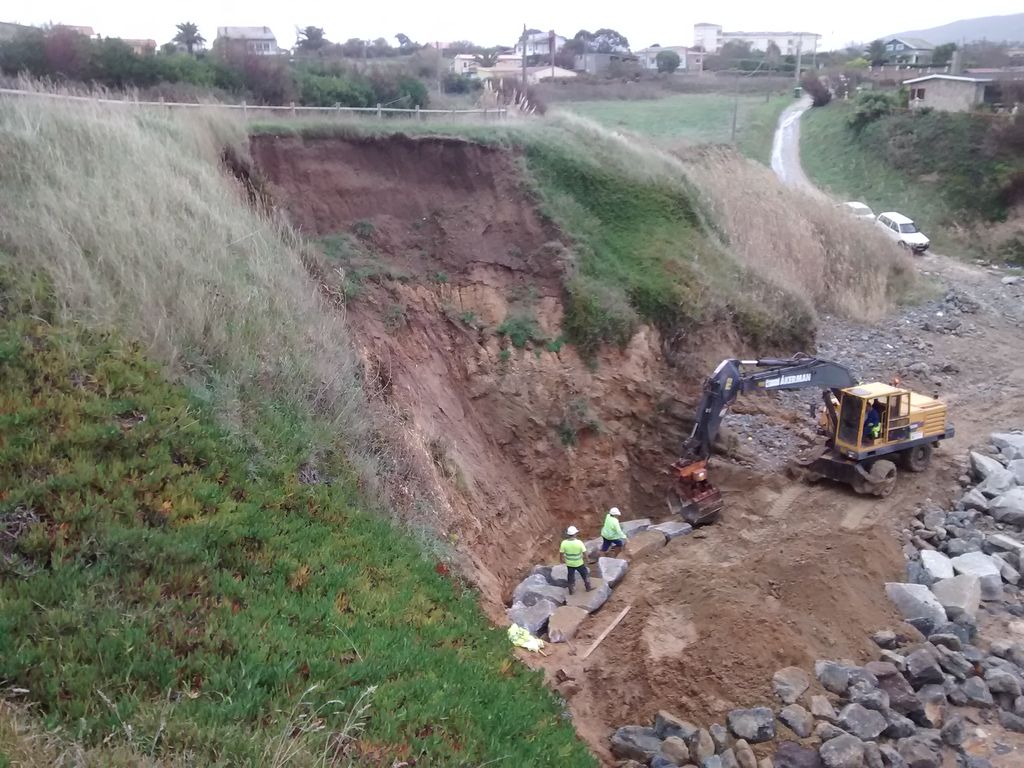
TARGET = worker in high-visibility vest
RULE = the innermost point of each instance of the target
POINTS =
(573, 551)
(612, 532)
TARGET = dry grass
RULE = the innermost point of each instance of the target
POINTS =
(843, 266)
(131, 216)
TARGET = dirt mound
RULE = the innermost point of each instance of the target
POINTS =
(523, 441)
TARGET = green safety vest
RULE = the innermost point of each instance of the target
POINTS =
(612, 530)
(573, 549)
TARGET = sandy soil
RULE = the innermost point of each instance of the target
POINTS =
(792, 573)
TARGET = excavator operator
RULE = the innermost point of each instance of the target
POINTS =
(873, 422)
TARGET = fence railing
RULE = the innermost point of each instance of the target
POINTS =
(294, 110)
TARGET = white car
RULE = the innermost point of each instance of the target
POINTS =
(858, 210)
(903, 231)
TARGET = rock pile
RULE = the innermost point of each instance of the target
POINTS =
(910, 708)
(542, 601)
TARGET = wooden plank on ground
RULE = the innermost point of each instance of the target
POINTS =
(607, 630)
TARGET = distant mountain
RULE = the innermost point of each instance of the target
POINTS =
(995, 28)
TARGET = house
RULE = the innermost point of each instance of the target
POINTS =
(600, 63)
(463, 64)
(246, 41)
(648, 57)
(694, 60)
(9, 31)
(140, 47)
(909, 50)
(951, 93)
(87, 31)
(540, 44)
(711, 38)
(536, 75)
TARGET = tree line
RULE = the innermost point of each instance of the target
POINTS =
(63, 55)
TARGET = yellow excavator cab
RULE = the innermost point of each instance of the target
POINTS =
(905, 418)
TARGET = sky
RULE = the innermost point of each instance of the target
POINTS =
(663, 23)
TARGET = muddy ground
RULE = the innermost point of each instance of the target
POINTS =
(523, 442)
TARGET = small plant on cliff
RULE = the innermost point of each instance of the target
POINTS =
(577, 417)
(364, 229)
(520, 329)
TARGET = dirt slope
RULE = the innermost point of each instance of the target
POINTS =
(524, 441)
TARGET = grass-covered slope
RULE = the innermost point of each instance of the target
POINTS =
(152, 590)
(958, 175)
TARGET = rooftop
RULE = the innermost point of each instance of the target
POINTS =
(916, 42)
(956, 78)
(246, 33)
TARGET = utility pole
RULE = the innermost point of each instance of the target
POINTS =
(799, 56)
(735, 106)
(524, 59)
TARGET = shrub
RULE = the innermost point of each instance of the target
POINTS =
(597, 314)
(869, 107)
(521, 328)
(817, 90)
(667, 61)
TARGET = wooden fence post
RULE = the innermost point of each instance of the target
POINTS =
(293, 109)
(245, 110)
(418, 115)
(379, 112)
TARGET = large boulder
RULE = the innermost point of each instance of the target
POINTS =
(822, 709)
(798, 720)
(790, 683)
(629, 527)
(1009, 507)
(842, 752)
(834, 677)
(754, 725)
(902, 698)
(612, 570)
(789, 754)
(1003, 681)
(936, 564)
(666, 724)
(1010, 444)
(979, 564)
(675, 749)
(701, 745)
(920, 751)
(977, 693)
(643, 543)
(959, 596)
(983, 467)
(592, 600)
(564, 622)
(534, 617)
(1010, 574)
(673, 529)
(974, 499)
(635, 742)
(1001, 542)
(744, 754)
(537, 587)
(897, 726)
(557, 574)
(996, 484)
(923, 666)
(1016, 468)
(915, 601)
(865, 724)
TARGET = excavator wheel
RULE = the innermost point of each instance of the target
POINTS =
(917, 459)
(883, 478)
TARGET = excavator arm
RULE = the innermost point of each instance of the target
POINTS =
(695, 498)
(729, 381)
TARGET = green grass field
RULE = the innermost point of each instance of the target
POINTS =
(147, 579)
(841, 166)
(694, 118)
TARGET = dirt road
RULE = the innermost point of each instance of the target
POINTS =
(786, 148)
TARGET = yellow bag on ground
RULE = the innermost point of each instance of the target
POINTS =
(520, 637)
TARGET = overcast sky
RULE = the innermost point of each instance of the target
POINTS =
(644, 24)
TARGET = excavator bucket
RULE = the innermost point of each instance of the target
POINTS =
(693, 497)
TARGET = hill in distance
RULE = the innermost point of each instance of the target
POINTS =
(1008, 28)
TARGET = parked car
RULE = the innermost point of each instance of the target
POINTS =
(903, 231)
(858, 210)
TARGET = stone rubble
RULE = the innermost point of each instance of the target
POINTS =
(917, 705)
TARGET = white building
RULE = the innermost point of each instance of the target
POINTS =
(712, 38)
(539, 44)
(648, 57)
(248, 41)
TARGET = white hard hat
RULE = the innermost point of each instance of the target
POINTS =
(572, 530)
(614, 512)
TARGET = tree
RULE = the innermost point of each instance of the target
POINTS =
(609, 41)
(736, 49)
(352, 48)
(773, 54)
(311, 39)
(869, 107)
(877, 54)
(942, 54)
(486, 58)
(667, 61)
(188, 35)
(817, 90)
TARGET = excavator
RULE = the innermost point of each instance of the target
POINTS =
(861, 449)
